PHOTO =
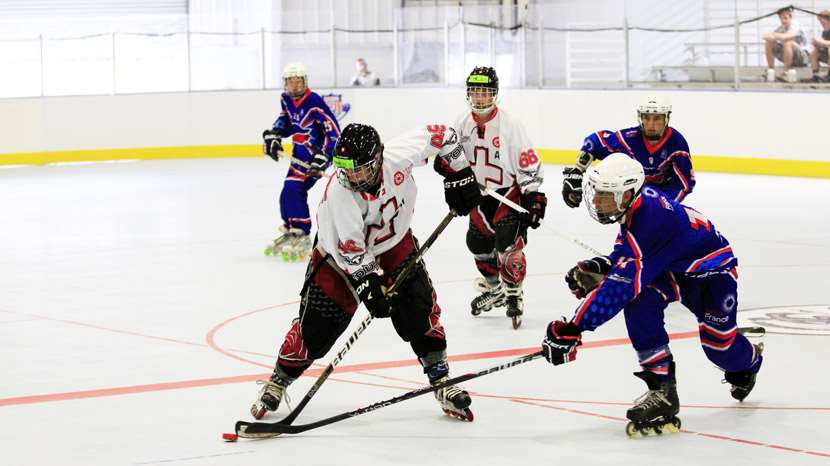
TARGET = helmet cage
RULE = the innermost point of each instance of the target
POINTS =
(590, 193)
(616, 174)
(491, 98)
(347, 171)
(483, 81)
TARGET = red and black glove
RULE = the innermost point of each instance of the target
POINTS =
(535, 203)
(561, 341)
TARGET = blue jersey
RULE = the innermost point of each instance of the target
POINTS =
(309, 121)
(658, 236)
(667, 163)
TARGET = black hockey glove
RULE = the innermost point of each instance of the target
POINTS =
(461, 191)
(535, 203)
(318, 164)
(372, 296)
(561, 341)
(572, 186)
(272, 144)
(587, 275)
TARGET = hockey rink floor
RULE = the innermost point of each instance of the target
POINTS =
(137, 310)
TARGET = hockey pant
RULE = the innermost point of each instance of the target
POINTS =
(328, 304)
(496, 236)
(294, 195)
(713, 299)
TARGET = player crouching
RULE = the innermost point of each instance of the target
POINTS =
(363, 242)
(665, 251)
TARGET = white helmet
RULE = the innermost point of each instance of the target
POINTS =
(616, 174)
(295, 70)
(655, 105)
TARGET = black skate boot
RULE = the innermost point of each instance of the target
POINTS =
(743, 382)
(492, 295)
(515, 304)
(655, 412)
(270, 395)
(454, 400)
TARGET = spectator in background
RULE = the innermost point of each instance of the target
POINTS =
(788, 44)
(820, 44)
(364, 77)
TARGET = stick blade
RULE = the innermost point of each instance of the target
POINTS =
(265, 429)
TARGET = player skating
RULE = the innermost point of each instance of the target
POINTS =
(503, 159)
(363, 241)
(663, 248)
(660, 149)
(314, 130)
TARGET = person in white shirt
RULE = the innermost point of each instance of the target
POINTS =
(820, 45)
(503, 159)
(788, 44)
(364, 77)
(363, 242)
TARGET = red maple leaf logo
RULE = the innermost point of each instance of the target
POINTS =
(349, 247)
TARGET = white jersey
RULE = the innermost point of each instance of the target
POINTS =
(500, 152)
(355, 227)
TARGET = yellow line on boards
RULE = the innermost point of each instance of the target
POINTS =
(707, 163)
(711, 163)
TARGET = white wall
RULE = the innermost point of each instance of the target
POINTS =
(745, 124)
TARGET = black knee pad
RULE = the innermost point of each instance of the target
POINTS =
(478, 242)
(424, 345)
(321, 321)
(508, 231)
(413, 305)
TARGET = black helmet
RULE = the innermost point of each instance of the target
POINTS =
(357, 157)
(483, 77)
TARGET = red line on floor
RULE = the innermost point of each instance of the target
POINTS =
(311, 372)
(685, 431)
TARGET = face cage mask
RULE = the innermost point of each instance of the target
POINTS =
(482, 110)
(343, 166)
(589, 194)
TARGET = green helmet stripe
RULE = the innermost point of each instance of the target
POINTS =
(478, 79)
(341, 162)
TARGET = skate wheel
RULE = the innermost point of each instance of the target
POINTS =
(475, 312)
(466, 416)
(631, 430)
(257, 413)
(674, 426)
(517, 322)
(267, 252)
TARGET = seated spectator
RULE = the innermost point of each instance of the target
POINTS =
(820, 44)
(788, 44)
(364, 77)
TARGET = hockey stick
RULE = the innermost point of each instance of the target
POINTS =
(495, 195)
(339, 357)
(264, 429)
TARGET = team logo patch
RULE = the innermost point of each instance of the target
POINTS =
(630, 134)
(496, 142)
(399, 177)
(794, 320)
(349, 247)
(337, 106)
